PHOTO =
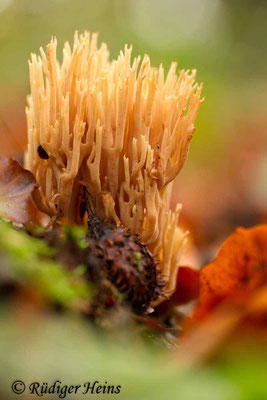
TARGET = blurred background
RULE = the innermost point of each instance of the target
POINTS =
(223, 184)
(224, 181)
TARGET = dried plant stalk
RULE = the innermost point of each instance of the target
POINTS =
(120, 131)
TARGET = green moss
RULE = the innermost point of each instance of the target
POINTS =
(137, 257)
(76, 234)
(29, 262)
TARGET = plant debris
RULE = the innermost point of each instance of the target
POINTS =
(241, 262)
(233, 297)
(128, 263)
(16, 188)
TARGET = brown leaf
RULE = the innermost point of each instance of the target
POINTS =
(239, 318)
(233, 296)
(187, 285)
(241, 261)
(152, 323)
(204, 337)
(187, 289)
(16, 187)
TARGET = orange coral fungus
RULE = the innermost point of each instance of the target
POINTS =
(121, 132)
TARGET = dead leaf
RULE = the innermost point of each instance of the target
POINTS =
(16, 187)
(241, 261)
(205, 337)
(233, 296)
(187, 289)
(152, 323)
(187, 285)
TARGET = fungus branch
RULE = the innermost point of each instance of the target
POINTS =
(120, 130)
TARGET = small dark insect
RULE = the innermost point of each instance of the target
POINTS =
(127, 262)
(42, 153)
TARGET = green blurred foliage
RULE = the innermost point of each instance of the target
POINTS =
(51, 348)
(76, 234)
(29, 261)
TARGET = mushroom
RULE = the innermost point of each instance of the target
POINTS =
(120, 130)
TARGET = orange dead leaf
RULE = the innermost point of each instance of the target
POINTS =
(241, 261)
(16, 187)
(233, 295)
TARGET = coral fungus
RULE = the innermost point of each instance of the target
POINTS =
(118, 129)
